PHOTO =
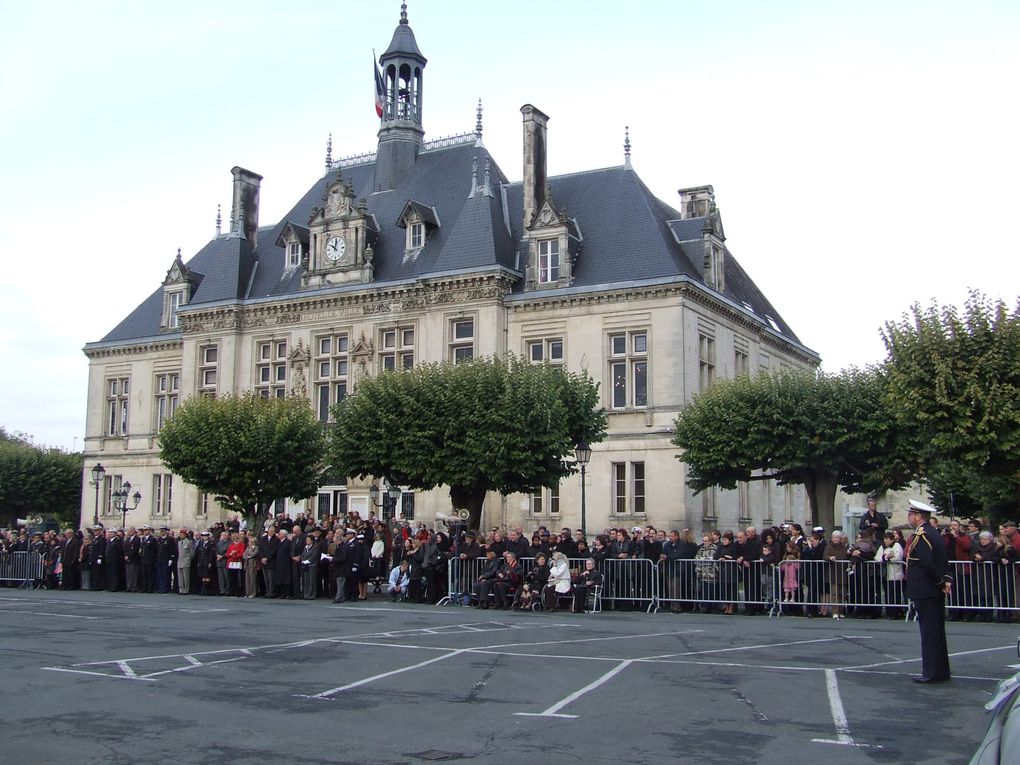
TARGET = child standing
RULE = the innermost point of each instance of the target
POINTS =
(789, 568)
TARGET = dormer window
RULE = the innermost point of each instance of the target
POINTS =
(178, 287)
(174, 301)
(294, 254)
(548, 261)
(416, 236)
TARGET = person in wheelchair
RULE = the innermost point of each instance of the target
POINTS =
(585, 582)
(530, 591)
(559, 581)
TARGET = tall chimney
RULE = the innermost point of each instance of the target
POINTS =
(534, 182)
(246, 200)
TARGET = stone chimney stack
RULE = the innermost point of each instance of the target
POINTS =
(246, 203)
(696, 201)
(535, 175)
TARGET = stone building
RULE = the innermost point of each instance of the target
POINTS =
(426, 251)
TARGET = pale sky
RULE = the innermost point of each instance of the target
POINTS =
(864, 154)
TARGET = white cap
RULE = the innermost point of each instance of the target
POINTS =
(922, 507)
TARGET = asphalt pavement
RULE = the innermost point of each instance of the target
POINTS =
(116, 678)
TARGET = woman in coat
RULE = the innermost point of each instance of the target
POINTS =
(559, 581)
(235, 565)
(251, 566)
(282, 567)
(726, 554)
(534, 584)
(837, 555)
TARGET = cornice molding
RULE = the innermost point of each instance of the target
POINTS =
(419, 295)
(133, 349)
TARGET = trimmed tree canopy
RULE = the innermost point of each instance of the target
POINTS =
(954, 380)
(822, 431)
(490, 425)
(247, 450)
(35, 480)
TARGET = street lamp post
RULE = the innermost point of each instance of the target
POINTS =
(582, 453)
(120, 498)
(98, 473)
(392, 491)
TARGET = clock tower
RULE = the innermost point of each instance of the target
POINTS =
(341, 237)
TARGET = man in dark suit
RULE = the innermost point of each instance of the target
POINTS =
(70, 562)
(928, 584)
(131, 559)
(97, 558)
(166, 559)
(147, 560)
(268, 545)
(114, 561)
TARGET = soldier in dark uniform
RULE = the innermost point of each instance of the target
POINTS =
(97, 558)
(131, 558)
(114, 561)
(166, 559)
(928, 584)
(147, 561)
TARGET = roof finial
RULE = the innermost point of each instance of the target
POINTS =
(219, 220)
(178, 253)
(329, 153)
(478, 120)
(487, 188)
(626, 147)
(403, 13)
(474, 177)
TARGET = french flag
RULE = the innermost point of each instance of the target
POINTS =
(380, 89)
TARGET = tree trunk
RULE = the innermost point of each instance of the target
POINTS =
(469, 498)
(821, 490)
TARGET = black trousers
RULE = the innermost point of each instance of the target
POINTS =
(931, 618)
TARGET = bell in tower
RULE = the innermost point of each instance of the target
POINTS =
(400, 132)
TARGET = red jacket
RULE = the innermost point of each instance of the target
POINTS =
(235, 553)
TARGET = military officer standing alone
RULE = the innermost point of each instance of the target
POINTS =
(928, 584)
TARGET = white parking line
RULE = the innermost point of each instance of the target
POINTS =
(46, 613)
(843, 736)
(553, 711)
(365, 681)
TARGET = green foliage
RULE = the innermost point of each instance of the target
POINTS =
(247, 450)
(954, 381)
(35, 480)
(823, 431)
(491, 425)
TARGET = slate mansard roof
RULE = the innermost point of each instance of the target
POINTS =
(627, 236)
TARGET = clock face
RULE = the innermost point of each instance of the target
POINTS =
(335, 249)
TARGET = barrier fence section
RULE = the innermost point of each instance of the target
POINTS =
(708, 585)
(23, 567)
(630, 583)
(860, 588)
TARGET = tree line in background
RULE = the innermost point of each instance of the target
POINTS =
(943, 409)
(38, 481)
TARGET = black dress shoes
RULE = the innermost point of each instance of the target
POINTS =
(930, 679)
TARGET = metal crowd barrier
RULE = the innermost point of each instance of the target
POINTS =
(627, 583)
(708, 585)
(23, 567)
(861, 588)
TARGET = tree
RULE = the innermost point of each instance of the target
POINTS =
(247, 450)
(823, 431)
(37, 480)
(954, 381)
(490, 425)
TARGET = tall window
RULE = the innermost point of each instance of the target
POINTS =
(332, 368)
(741, 364)
(550, 350)
(117, 391)
(111, 483)
(415, 236)
(462, 340)
(546, 501)
(397, 348)
(294, 254)
(271, 368)
(208, 358)
(167, 387)
(628, 369)
(407, 505)
(548, 261)
(162, 493)
(175, 299)
(763, 362)
(706, 361)
(203, 505)
(628, 488)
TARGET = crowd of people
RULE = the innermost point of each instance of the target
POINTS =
(348, 558)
